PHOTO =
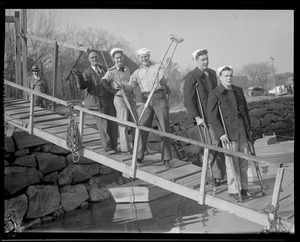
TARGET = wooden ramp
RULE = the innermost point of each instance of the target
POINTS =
(183, 178)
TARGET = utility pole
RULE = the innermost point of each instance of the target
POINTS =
(272, 59)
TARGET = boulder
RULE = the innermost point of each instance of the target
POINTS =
(82, 160)
(100, 184)
(57, 150)
(9, 145)
(15, 208)
(43, 200)
(27, 161)
(48, 162)
(51, 178)
(73, 196)
(21, 152)
(65, 177)
(46, 147)
(81, 173)
(106, 170)
(25, 140)
(16, 178)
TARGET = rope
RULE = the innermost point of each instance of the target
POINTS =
(275, 225)
(74, 142)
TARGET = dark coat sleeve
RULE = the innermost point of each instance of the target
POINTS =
(82, 80)
(213, 114)
(190, 96)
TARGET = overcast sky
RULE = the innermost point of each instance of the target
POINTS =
(232, 37)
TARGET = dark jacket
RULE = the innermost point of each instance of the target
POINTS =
(90, 81)
(229, 111)
(189, 91)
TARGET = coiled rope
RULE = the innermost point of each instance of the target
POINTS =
(74, 142)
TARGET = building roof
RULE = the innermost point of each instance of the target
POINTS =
(127, 61)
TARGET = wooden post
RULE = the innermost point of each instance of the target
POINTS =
(18, 52)
(81, 123)
(276, 190)
(31, 113)
(203, 176)
(55, 73)
(134, 154)
(24, 50)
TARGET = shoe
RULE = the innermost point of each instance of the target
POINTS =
(138, 160)
(117, 150)
(234, 196)
(107, 149)
(245, 193)
(167, 163)
(129, 153)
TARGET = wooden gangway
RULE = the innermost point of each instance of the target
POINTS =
(183, 178)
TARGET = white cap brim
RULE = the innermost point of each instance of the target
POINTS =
(219, 70)
(143, 51)
(194, 54)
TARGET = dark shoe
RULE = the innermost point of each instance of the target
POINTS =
(167, 163)
(234, 196)
(129, 153)
(138, 160)
(117, 150)
(107, 149)
(245, 193)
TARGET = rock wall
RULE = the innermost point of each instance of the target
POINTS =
(42, 181)
(268, 116)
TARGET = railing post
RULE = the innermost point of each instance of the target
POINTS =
(31, 113)
(55, 73)
(24, 50)
(81, 123)
(276, 190)
(203, 176)
(134, 154)
(18, 52)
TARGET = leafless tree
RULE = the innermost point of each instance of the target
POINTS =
(260, 74)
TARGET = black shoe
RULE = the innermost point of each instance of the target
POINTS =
(117, 150)
(107, 149)
(138, 160)
(245, 193)
(235, 196)
(167, 163)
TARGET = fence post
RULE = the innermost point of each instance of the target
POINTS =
(18, 53)
(55, 73)
(24, 50)
(203, 176)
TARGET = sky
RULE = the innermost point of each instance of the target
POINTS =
(232, 37)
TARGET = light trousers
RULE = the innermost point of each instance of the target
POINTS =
(240, 164)
(124, 113)
(158, 106)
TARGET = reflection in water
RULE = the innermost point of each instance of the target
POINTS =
(128, 212)
(172, 213)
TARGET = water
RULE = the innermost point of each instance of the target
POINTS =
(169, 214)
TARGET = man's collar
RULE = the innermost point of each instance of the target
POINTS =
(120, 68)
(222, 88)
(200, 72)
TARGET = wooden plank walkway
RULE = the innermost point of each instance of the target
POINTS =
(183, 178)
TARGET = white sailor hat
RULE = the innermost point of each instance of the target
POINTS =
(194, 54)
(112, 52)
(220, 69)
(143, 51)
